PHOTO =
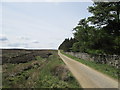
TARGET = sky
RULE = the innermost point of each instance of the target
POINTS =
(39, 25)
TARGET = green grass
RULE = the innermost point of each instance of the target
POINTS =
(104, 68)
(39, 76)
(17, 80)
(48, 80)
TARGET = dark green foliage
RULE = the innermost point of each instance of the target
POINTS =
(99, 33)
(104, 12)
(67, 44)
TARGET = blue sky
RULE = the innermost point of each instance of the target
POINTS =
(39, 24)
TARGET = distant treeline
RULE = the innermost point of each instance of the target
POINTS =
(99, 33)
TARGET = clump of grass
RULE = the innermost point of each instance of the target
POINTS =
(104, 68)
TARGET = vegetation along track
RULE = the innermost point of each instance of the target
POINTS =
(44, 70)
(88, 77)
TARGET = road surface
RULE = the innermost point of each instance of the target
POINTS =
(86, 76)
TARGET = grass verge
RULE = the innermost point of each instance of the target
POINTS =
(48, 80)
(104, 68)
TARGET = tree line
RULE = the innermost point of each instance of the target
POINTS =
(99, 33)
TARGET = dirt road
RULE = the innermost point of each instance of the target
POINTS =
(88, 77)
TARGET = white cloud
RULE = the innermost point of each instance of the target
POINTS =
(24, 38)
(18, 45)
(3, 38)
(35, 41)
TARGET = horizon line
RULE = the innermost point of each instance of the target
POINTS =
(30, 48)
